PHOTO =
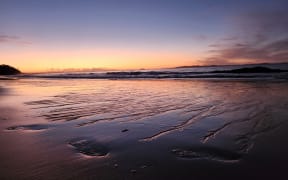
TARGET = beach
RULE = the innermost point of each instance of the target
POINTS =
(143, 128)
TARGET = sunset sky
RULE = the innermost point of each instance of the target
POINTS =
(44, 35)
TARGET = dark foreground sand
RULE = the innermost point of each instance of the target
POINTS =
(144, 129)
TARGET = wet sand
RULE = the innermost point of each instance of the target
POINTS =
(143, 129)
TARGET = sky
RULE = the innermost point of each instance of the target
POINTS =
(49, 35)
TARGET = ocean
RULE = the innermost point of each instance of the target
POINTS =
(179, 72)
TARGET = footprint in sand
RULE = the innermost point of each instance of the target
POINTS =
(207, 153)
(89, 147)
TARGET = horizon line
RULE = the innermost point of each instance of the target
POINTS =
(99, 69)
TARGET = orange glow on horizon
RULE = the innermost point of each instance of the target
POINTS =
(45, 61)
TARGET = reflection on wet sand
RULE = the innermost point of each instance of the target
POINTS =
(159, 120)
(195, 101)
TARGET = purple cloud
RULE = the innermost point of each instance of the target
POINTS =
(13, 39)
(263, 37)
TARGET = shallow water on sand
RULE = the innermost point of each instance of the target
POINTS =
(143, 129)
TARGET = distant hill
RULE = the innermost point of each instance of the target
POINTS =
(257, 69)
(8, 70)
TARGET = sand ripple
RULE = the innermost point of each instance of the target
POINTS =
(237, 110)
(31, 127)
